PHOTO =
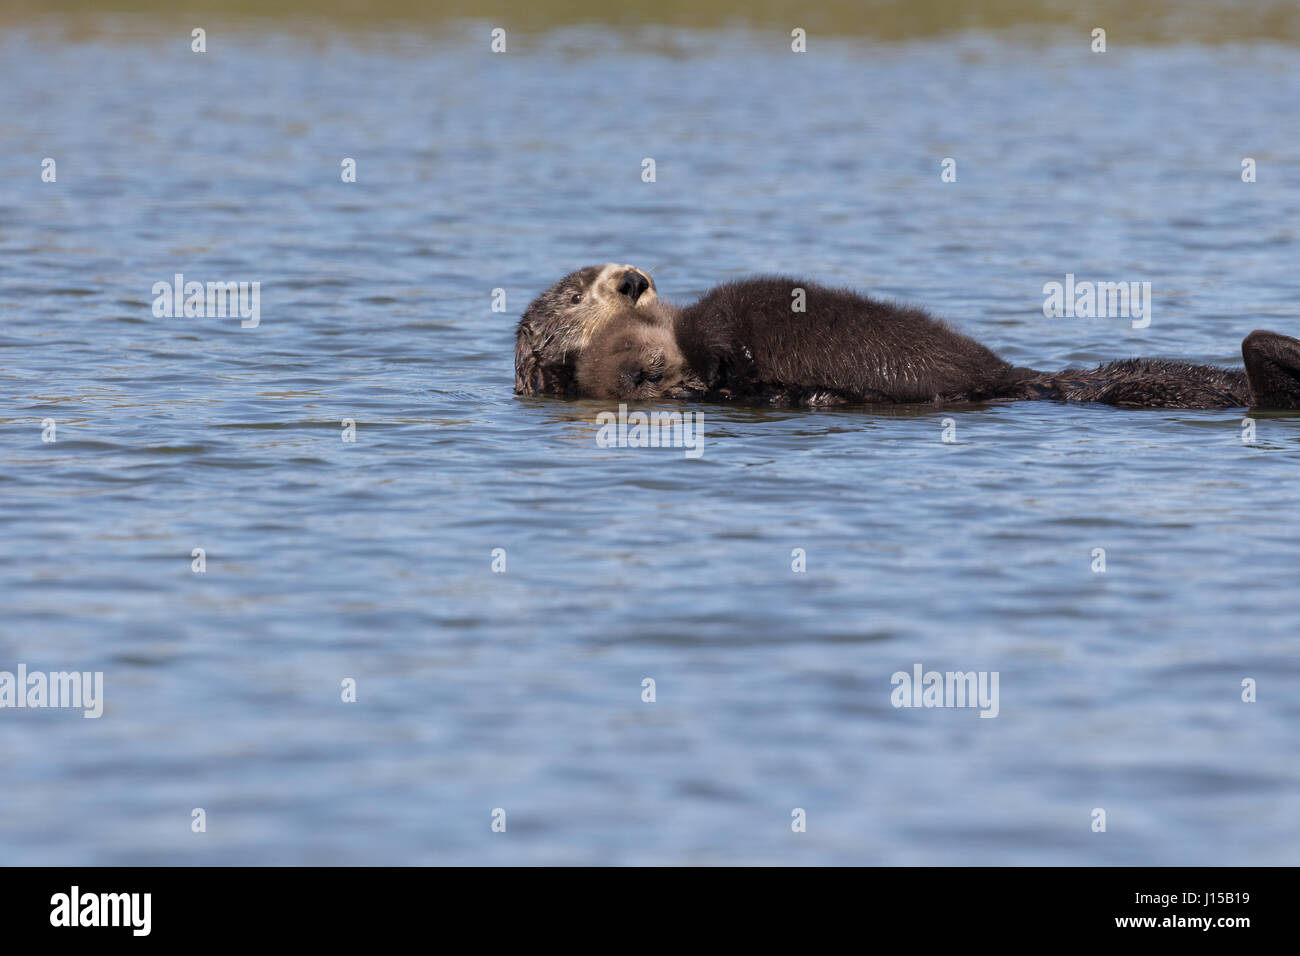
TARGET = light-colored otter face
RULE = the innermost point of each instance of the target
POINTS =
(561, 321)
(590, 297)
(634, 358)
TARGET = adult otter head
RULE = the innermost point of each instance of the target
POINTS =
(631, 357)
(561, 321)
(1273, 368)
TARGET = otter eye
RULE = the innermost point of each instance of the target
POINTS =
(577, 297)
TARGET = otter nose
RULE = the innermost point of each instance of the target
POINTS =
(632, 284)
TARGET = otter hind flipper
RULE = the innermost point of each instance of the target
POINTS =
(1273, 368)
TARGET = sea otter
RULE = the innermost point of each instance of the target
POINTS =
(603, 332)
(561, 321)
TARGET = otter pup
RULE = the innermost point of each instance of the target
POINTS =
(743, 342)
(747, 343)
(635, 356)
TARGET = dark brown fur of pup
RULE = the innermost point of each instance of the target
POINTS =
(634, 357)
(747, 343)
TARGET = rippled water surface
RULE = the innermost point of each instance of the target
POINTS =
(522, 690)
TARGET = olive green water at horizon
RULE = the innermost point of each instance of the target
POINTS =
(373, 560)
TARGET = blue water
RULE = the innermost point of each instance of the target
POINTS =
(372, 560)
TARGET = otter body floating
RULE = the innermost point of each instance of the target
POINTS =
(603, 332)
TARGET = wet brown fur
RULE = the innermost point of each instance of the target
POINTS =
(635, 357)
(743, 342)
